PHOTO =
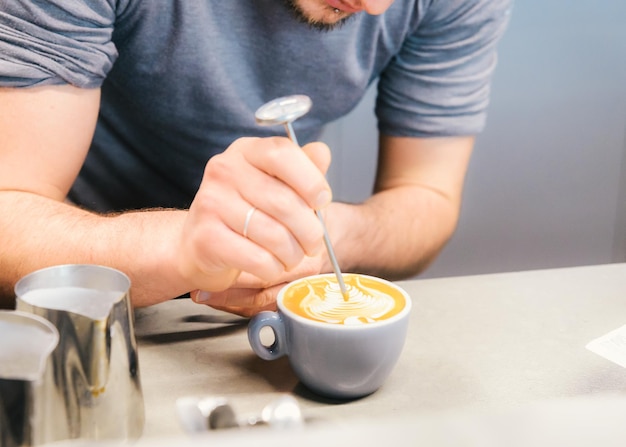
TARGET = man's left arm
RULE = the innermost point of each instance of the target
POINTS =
(402, 227)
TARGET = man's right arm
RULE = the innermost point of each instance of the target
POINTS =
(45, 133)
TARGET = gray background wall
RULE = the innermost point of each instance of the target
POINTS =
(546, 185)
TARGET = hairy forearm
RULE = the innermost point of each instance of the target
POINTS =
(37, 232)
(395, 234)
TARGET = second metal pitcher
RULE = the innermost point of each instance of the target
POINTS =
(27, 402)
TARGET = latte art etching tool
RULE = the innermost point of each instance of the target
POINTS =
(286, 110)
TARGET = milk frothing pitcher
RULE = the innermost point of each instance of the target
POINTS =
(95, 365)
(27, 401)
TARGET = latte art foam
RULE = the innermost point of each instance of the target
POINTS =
(321, 299)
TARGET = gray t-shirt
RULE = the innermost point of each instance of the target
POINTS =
(181, 79)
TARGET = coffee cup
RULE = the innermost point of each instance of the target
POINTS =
(338, 347)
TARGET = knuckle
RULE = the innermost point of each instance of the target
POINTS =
(282, 204)
(274, 155)
(243, 143)
(219, 167)
(263, 299)
(278, 148)
(275, 238)
(287, 250)
(216, 162)
(315, 235)
(209, 205)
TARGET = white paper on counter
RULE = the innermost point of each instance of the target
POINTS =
(611, 346)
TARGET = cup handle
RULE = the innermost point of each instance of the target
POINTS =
(274, 322)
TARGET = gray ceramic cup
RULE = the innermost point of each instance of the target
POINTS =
(333, 360)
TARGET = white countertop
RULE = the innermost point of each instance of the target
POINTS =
(487, 344)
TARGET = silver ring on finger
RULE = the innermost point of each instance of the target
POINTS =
(246, 224)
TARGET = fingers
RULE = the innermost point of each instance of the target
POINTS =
(267, 249)
(281, 181)
(283, 160)
(281, 211)
(250, 295)
(245, 311)
(265, 188)
(213, 243)
(291, 187)
(243, 302)
(271, 236)
(319, 154)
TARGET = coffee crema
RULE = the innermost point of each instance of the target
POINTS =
(320, 299)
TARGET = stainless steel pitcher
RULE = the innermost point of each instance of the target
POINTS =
(27, 401)
(95, 365)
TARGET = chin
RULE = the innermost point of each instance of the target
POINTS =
(317, 15)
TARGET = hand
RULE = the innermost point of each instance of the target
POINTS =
(284, 183)
(249, 295)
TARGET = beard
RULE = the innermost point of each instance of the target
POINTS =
(320, 18)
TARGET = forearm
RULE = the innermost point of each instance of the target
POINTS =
(400, 230)
(36, 232)
(395, 234)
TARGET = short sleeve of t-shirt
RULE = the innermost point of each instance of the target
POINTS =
(438, 83)
(56, 42)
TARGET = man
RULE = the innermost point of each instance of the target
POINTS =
(127, 137)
